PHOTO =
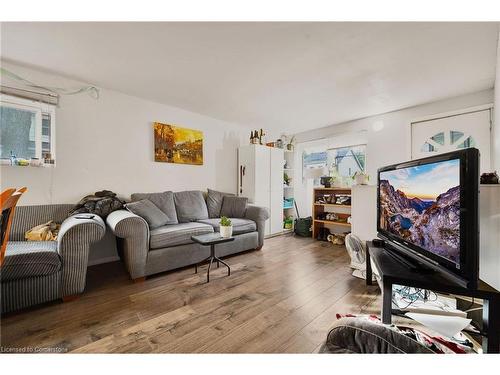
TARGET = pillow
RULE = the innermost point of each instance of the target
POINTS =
(149, 212)
(367, 334)
(214, 202)
(164, 201)
(234, 206)
(190, 206)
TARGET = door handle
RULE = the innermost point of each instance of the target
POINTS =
(242, 173)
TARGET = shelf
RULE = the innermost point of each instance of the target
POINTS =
(29, 166)
(288, 208)
(333, 205)
(333, 222)
(332, 188)
(288, 169)
(287, 187)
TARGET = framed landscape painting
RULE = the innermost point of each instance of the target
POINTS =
(174, 144)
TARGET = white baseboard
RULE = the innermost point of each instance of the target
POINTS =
(103, 260)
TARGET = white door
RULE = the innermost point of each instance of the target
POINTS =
(246, 173)
(262, 179)
(450, 133)
(276, 190)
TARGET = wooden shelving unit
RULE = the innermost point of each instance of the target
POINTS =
(319, 208)
(333, 205)
(288, 191)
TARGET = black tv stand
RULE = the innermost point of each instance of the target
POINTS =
(410, 264)
(393, 272)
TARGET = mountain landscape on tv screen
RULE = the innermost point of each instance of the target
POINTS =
(431, 224)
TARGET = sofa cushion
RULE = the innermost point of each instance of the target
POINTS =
(190, 206)
(234, 207)
(214, 202)
(239, 225)
(149, 212)
(25, 259)
(164, 201)
(355, 335)
(178, 234)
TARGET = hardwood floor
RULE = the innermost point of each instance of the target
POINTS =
(281, 299)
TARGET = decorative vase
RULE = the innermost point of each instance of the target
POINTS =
(226, 231)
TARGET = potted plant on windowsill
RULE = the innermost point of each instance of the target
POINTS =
(361, 178)
(226, 228)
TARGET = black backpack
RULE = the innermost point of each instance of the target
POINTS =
(303, 227)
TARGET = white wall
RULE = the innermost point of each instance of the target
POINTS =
(387, 138)
(108, 144)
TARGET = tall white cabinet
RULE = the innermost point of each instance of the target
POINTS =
(260, 179)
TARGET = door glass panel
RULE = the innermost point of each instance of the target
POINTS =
(427, 147)
(438, 138)
(455, 136)
(469, 142)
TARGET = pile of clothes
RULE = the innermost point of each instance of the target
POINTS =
(101, 203)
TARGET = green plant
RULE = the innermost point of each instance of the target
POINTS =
(286, 179)
(225, 222)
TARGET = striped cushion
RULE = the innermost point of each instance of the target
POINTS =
(177, 234)
(28, 259)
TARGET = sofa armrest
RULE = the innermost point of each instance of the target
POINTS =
(134, 231)
(73, 244)
(259, 215)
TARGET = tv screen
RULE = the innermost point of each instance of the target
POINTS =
(428, 209)
(421, 205)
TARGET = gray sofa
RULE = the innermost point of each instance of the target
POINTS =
(146, 251)
(40, 271)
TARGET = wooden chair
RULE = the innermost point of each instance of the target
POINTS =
(8, 202)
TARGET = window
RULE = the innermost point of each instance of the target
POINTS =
(450, 131)
(344, 162)
(341, 163)
(27, 128)
(456, 139)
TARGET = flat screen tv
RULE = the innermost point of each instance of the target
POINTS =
(428, 209)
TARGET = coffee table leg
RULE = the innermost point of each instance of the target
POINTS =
(208, 271)
(224, 263)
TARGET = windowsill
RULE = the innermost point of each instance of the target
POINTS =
(28, 166)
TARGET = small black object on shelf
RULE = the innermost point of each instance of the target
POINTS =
(490, 178)
(326, 181)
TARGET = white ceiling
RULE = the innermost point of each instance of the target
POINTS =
(279, 76)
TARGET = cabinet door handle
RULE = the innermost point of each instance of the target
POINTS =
(242, 173)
